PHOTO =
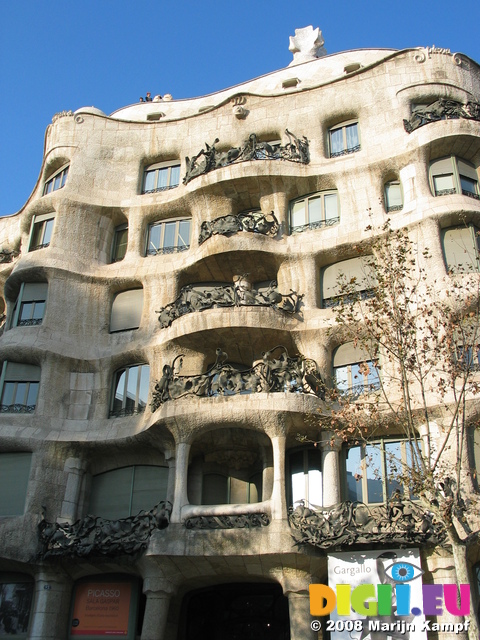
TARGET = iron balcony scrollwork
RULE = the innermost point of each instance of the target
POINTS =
(237, 521)
(398, 522)
(94, 536)
(208, 159)
(17, 408)
(442, 109)
(319, 224)
(7, 255)
(282, 374)
(253, 221)
(194, 298)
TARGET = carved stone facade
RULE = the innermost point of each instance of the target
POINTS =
(175, 253)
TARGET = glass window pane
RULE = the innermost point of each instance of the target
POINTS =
(132, 380)
(341, 378)
(149, 181)
(49, 186)
(354, 475)
(7, 394)
(255, 488)
(358, 382)
(20, 393)
(331, 206)
(174, 176)
(64, 177)
(468, 185)
(442, 183)
(32, 394)
(298, 214)
(47, 231)
(336, 140)
(144, 383)
(111, 494)
(297, 477)
(121, 241)
(26, 311)
(373, 376)
(119, 391)
(169, 237)
(394, 194)
(315, 209)
(38, 311)
(154, 238)
(315, 489)
(57, 182)
(352, 136)
(393, 459)
(149, 487)
(162, 180)
(374, 473)
(184, 233)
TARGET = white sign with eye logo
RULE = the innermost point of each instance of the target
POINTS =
(396, 612)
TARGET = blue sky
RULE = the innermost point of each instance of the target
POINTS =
(65, 55)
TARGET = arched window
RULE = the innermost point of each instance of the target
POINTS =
(460, 249)
(19, 387)
(41, 231)
(127, 310)
(127, 491)
(393, 196)
(57, 181)
(30, 304)
(130, 390)
(356, 273)
(168, 236)
(231, 489)
(314, 211)
(305, 475)
(344, 138)
(454, 175)
(160, 177)
(354, 370)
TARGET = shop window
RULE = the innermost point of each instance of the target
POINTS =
(376, 472)
(454, 175)
(233, 489)
(305, 474)
(16, 597)
(130, 391)
(393, 196)
(170, 236)
(57, 181)
(30, 305)
(354, 372)
(127, 310)
(160, 177)
(344, 139)
(19, 385)
(14, 476)
(357, 274)
(41, 231)
(120, 241)
(460, 249)
(127, 491)
(314, 212)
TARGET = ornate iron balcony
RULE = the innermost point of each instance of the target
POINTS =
(395, 207)
(158, 189)
(470, 194)
(442, 110)
(237, 521)
(253, 221)
(127, 411)
(344, 152)
(17, 408)
(320, 224)
(445, 192)
(167, 250)
(31, 322)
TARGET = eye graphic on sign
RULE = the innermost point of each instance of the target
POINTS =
(403, 572)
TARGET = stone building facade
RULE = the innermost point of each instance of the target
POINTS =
(166, 333)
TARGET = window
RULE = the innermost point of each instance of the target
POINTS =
(373, 472)
(127, 310)
(344, 139)
(120, 241)
(454, 175)
(356, 273)
(130, 391)
(160, 177)
(125, 492)
(460, 249)
(30, 305)
(315, 211)
(14, 475)
(305, 471)
(354, 372)
(222, 489)
(170, 236)
(57, 181)
(41, 232)
(393, 196)
(19, 384)
(16, 596)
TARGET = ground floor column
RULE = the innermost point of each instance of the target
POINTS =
(296, 590)
(181, 475)
(331, 468)
(159, 592)
(50, 617)
(279, 504)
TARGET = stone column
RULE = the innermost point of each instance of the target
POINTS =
(50, 616)
(75, 468)
(330, 468)
(159, 592)
(302, 278)
(181, 476)
(295, 588)
(279, 504)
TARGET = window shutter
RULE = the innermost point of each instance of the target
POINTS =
(467, 170)
(34, 291)
(149, 487)
(17, 371)
(127, 310)
(14, 475)
(355, 268)
(111, 494)
(460, 250)
(440, 167)
(349, 354)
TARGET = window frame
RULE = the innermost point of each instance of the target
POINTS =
(23, 462)
(307, 480)
(176, 248)
(318, 224)
(61, 175)
(475, 248)
(343, 126)
(362, 292)
(137, 408)
(228, 482)
(30, 377)
(158, 168)
(395, 207)
(457, 166)
(355, 389)
(378, 474)
(40, 228)
(119, 229)
(21, 301)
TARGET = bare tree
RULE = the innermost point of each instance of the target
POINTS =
(419, 378)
